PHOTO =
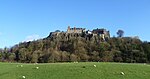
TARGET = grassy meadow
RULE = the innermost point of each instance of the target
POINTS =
(83, 70)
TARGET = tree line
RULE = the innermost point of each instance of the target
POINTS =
(63, 47)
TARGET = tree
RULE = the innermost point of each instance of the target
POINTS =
(57, 31)
(35, 56)
(1, 56)
(54, 56)
(64, 56)
(120, 33)
(146, 47)
(23, 54)
(73, 57)
(94, 56)
(117, 56)
(11, 57)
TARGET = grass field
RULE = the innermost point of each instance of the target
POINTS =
(74, 71)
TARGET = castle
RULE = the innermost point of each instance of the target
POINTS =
(75, 30)
(103, 33)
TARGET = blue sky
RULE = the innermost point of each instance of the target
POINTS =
(24, 20)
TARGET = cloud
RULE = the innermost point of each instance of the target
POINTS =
(31, 38)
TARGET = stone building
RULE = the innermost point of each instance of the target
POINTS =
(102, 32)
(75, 30)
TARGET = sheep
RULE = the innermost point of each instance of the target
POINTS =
(94, 65)
(35, 63)
(122, 73)
(37, 67)
(23, 77)
(21, 65)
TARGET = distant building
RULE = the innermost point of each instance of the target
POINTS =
(102, 32)
(99, 31)
(88, 32)
(75, 30)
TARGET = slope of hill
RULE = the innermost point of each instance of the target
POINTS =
(63, 47)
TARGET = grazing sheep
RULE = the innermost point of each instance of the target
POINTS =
(35, 63)
(37, 67)
(21, 65)
(94, 65)
(122, 73)
(23, 77)
(76, 62)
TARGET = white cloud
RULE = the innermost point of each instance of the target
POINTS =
(31, 38)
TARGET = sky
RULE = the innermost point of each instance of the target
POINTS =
(26, 20)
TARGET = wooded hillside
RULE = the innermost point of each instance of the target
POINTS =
(62, 47)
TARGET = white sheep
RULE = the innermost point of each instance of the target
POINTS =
(37, 67)
(94, 65)
(23, 77)
(35, 63)
(21, 65)
(122, 73)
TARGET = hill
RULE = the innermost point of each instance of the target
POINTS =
(74, 71)
(79, 45)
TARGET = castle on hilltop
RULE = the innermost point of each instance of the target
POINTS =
(103, 33)
(75, 30)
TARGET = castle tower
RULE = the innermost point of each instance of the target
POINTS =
(74, 29)
(68, 30)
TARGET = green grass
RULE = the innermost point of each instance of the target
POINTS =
(75, 71)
